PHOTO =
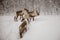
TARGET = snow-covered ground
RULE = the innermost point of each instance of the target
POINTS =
(43, 28)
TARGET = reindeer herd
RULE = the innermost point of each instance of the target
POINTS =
(25, 17)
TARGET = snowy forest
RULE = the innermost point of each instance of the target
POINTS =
(46, 7)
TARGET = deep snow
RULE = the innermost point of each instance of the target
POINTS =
(43, 28)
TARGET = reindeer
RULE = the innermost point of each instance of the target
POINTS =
(23, 27)
(18, 13)
(26, 15)
(32, 14)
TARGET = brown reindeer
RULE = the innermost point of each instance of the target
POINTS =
(32, 14)
(26, 15)
(18, 13)
(23, 27)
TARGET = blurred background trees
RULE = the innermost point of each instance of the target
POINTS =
(46, 7)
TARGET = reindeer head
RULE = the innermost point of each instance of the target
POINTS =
(37, 12)
(26, 9)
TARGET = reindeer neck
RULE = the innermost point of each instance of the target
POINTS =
(26, 21)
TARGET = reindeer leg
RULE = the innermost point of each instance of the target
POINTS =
(21, 31)
(28, 20)
(16, 18)
(20, 35)
(20, 17)
(33, 18)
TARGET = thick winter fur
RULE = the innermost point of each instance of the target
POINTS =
(18, 13)
(21, 13)
(32, 14)
(23, 27)
(26, 15)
